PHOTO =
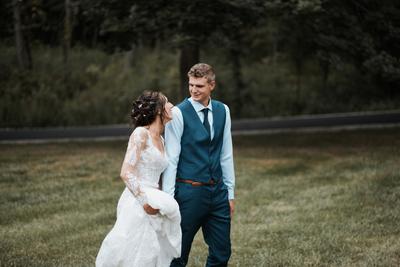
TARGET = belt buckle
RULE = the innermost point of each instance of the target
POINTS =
(196, 183)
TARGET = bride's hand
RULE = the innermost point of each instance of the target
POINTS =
(149, 210)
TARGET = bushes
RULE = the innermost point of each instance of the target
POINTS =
(98, 88)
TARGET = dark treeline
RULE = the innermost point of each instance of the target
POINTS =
(81, 62)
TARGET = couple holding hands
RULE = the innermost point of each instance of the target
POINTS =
(157, 219)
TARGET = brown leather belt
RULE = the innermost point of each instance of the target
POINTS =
(194, 183)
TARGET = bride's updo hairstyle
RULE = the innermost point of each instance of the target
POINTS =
(146, 108)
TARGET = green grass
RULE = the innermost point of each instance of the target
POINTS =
(326, 199)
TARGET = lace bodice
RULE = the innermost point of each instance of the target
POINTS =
(143, 163)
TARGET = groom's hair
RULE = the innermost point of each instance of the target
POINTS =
(202, 70)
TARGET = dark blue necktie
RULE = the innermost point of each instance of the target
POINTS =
(205, 122)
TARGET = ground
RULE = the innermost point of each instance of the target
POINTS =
(309, 199)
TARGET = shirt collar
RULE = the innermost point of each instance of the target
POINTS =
(199, 107)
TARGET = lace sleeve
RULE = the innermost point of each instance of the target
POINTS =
(129, 173)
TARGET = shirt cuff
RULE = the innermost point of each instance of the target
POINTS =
(231, 194)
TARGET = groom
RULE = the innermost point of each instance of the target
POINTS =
(200, 172)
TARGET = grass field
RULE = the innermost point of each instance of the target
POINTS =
(326, 199)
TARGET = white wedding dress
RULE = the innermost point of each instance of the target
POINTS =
(138, 239)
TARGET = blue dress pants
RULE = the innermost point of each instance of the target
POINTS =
(206, 207)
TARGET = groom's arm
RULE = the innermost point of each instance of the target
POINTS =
(228, 171)
(173, 134)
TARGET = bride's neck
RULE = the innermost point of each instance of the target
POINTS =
(156, 128)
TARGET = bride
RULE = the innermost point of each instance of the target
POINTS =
(147, 231)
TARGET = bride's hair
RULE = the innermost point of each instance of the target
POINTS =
(146, 108)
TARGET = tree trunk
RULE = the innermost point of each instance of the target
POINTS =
(66, 45)
(239, 91)
(21, 44)
(299, 69)
(189, 55)
(67, 33)
(325, 67)
(129, 58)
(95, 37)
(298, 82)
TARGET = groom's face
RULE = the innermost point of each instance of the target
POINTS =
(200, 89)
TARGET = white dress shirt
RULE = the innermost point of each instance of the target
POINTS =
(173, 134)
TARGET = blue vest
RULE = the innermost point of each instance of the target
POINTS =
(199, 159)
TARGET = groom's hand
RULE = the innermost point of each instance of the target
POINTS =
(232, 206)
(149, 210)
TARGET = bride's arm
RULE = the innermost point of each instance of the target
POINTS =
(129, 174)
(136, 145)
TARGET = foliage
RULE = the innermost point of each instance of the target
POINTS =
(99, 89)
(273, 57)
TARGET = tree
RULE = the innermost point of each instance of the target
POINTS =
(296, 22)
(239, 18)
(364, 34)
(21, 42)
(190, 24)
(67, 32)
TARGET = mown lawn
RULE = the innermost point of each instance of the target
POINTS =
(322, 199)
